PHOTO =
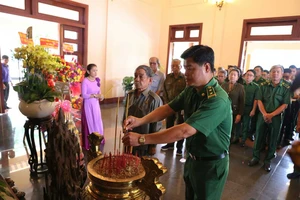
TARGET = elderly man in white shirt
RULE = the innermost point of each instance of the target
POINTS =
(158, 77)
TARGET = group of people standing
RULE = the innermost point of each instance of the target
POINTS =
(262, 105)
(208, 114)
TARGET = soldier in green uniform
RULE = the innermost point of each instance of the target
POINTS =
(258, 75)
(272, 99)
(207, 126)
(251, 90)
(258, 80)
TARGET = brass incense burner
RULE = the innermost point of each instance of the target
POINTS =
(124, 176)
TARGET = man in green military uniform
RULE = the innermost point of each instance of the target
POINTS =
(259, 80)
(207, 126)
(272, 99)
(251, 90)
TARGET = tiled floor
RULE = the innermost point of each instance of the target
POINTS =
(243, 183)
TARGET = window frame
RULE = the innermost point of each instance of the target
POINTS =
(31, 11)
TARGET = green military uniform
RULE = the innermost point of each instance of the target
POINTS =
(259, 82)
(251, 90)
(271, 97)
(209, 112)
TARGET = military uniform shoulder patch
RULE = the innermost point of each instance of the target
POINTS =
(266, 82)
(285, 84)
(210, 91)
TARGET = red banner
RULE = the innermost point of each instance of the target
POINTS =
(68, 48)
(48, 43)
(23, 38)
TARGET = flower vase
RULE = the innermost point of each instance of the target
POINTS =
(37, 109)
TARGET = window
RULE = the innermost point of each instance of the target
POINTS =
(186, 32)
(179, 34)
(271, 30)
(20, 4)
(194, 33)
(71, 35)
(58, 11)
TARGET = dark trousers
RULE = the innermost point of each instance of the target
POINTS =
(293, 119)
(261, 134)
(178, 117)
(6, 93)
(253, 122)
(246, 127)
(236, 129)
(205, 179)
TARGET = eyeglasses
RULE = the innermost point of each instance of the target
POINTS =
(152, 63)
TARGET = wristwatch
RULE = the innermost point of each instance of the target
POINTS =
(142, 140)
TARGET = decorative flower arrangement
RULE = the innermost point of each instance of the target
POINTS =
(73, 73)
(39, 70)
(76, 102)
(70, 72)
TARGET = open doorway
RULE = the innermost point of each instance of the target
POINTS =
(270, 41)
(10, 39)
(181, 37)
(176, 49)
(269, 53)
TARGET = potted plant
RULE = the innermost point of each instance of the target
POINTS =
(128, 83)
(36, 90)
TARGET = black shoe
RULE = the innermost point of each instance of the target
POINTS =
(293, 175)
(267, 167)
(179, 152)
(7, 107)
(252, 137)
(166, 147)
(253, 162)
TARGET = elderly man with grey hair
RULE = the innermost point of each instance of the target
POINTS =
(140, 102)
(173, 85)
(273, 98)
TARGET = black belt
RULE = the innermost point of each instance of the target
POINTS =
(210, 158)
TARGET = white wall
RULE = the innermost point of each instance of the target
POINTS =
(123, 34)
(222, 29)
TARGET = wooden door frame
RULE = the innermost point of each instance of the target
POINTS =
(31, 11)
(186, 28)
(273, 21)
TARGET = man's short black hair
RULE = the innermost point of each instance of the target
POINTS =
(5, 57)
(235, 70)
(296, 83)
(200, 54)
(292, 67)
(287, 70)
(267, 71)
(260, 67)
(251, 70)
